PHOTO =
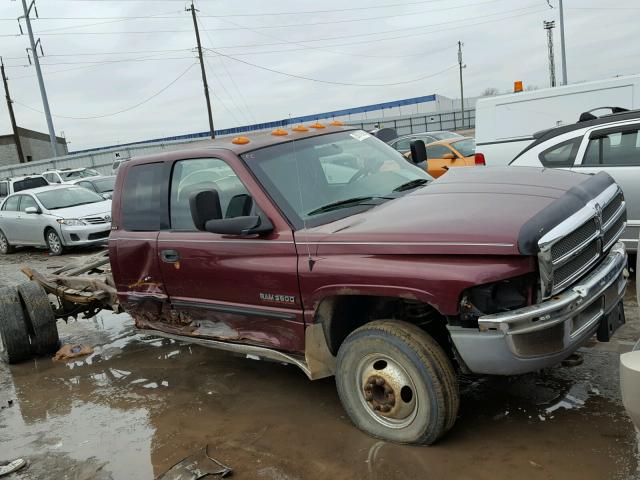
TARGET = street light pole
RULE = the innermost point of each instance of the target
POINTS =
(461, 86)
(563, 52)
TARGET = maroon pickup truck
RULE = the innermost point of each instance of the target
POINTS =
(323, 247)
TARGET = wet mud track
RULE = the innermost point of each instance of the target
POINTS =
(139, 404)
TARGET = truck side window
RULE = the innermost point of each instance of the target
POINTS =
(621, 148)
(562, 155)
(141, 198)
(192, 176)
(3, 189)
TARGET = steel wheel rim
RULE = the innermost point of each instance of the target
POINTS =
(4, 244)
(54, 242)
(397, 392)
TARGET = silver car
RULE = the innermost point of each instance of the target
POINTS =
(609, 143)
(55, 217)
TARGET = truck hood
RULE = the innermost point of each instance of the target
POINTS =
(477, 210)
(80, 211)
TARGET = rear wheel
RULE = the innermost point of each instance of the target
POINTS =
(14, 337)
(396, 383)
(45, 339)
(5, 246)
(54, 242)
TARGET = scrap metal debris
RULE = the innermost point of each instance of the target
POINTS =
(72, 351)
(9, 467)
(195, 467)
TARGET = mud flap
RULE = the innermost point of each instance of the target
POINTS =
(611, 322)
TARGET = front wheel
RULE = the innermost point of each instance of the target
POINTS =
(54, 242)
(396, 383)
(5, 246)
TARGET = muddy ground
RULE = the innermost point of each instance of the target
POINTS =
(139, 404)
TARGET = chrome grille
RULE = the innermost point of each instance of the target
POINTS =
(610, 210)
(570, 249)
(96, 220)
(574, 267)
(578, 237)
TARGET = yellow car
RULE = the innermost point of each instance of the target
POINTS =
(453, 152)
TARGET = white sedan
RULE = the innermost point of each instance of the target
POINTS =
(55, 217)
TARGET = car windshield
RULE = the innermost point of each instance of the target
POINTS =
(105, 185)
(323, 178)
(27, 183)
(67, 197)
(466, 147)
(445, 135)
(75, 174)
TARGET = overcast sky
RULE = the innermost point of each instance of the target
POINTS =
(382, 42)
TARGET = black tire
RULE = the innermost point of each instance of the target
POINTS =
(54, 242)
(14, 335)
(5, 246)
(418, 384)
(44, 337)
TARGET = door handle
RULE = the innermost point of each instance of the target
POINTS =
(169, 256)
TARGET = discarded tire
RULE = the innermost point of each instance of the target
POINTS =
(15, 346)
(44, 331)
(396, 383)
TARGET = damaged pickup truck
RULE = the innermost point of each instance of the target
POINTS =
(322, 247)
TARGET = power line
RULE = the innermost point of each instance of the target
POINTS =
(146, 32)
(331, 82)
(93, 117)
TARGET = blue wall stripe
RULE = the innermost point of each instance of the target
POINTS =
(277, 123)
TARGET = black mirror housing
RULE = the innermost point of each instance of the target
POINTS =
(249, 225)
(418, 151)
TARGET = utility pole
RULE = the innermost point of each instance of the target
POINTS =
(16, 136)
(204, 75)
(549, 26)
(461, 87)
(43, 92)
(563, 52)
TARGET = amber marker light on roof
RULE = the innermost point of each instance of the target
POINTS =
(317, 125)
(300, 128)
(240, 140)
(279, 132)
(337, 123)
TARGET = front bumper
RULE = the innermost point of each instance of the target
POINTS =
(85, 234)
(544, 334)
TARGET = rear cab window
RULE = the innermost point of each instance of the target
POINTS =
(141, 198)
(4, 189)
(28, 183)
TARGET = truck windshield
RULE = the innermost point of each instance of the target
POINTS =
(320, 179)
(67, 197)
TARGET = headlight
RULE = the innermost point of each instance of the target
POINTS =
(71, 222)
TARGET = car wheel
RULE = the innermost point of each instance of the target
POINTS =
(396, 383)
(14, 337)
(5, 246)
(45, 339)
(54, 242)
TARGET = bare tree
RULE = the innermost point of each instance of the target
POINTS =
(490, 91)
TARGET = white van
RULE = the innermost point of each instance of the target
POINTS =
(505, 124)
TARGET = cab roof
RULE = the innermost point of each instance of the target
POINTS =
(255, 140)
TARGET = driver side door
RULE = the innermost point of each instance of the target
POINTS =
(234, 288)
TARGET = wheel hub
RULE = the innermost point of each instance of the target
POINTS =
(387, 390)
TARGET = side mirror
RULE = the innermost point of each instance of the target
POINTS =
(449, 156)
(205, 206)
(107, 195)
(418, 151)
(249, 225)
(31, 210)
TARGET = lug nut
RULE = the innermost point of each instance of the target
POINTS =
(380, 381)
